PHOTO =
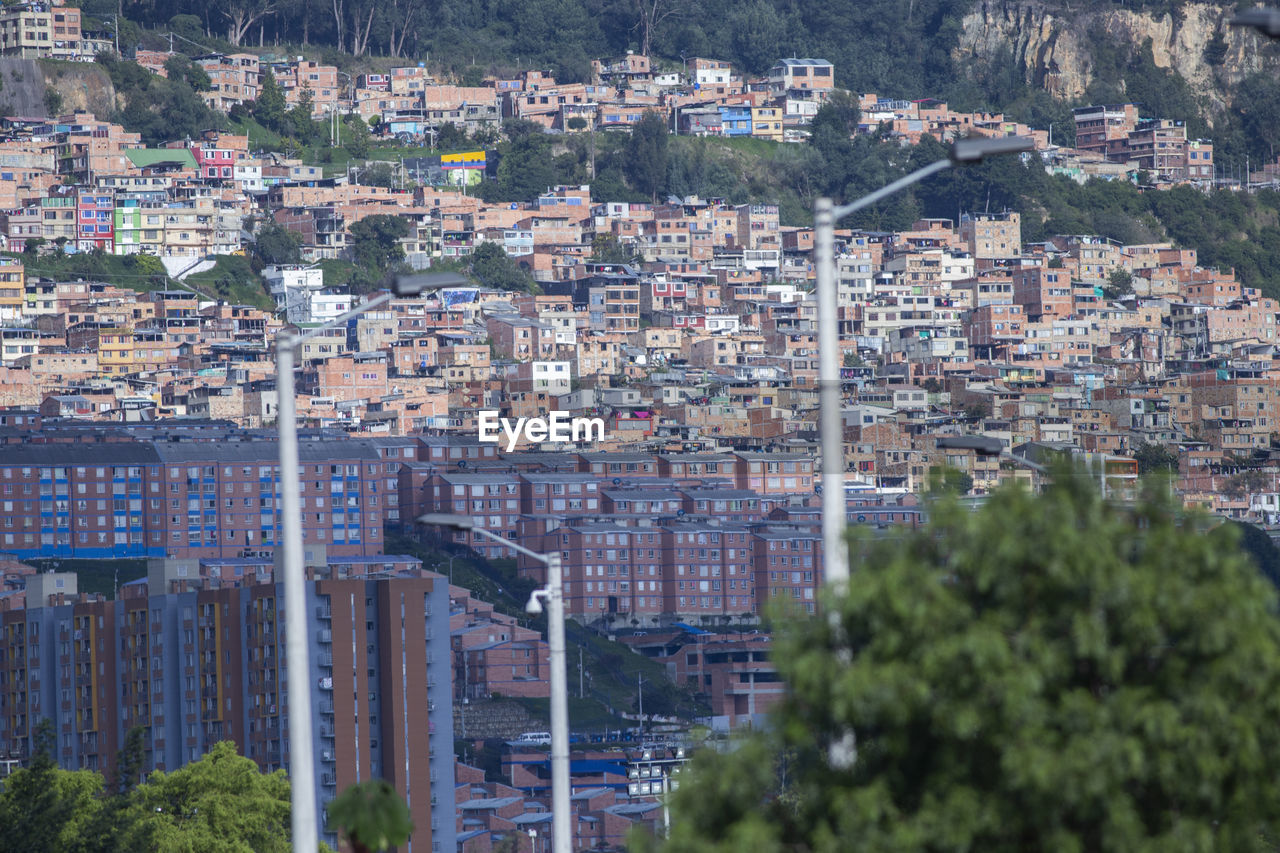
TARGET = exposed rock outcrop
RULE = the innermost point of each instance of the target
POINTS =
(1053, 42)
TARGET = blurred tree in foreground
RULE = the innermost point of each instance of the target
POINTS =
(372, 816)
(1046, 673)
(222, 802)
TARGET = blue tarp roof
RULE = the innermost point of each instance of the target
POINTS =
(692, 630)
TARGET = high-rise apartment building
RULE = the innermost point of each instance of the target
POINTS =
(189, 498)
(195, 654)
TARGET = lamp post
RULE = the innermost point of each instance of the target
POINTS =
(831, 431)
(301, 758)
(553, 595)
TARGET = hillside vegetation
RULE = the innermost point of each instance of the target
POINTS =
(997, 55)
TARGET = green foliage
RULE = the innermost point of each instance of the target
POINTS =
(1255, 542)
(358, 140)
(607, 249)
(130, 761)
(180, 68)
(493, 267)
(379, 174)
(1119, 283)
(275, 245)
(946, 480)
(1239, 486)
(450, 137)
(161, 109)
(270, 107)
(756, 32)
(1155, 457)
(1044, 673)
(372, 815)
(45, 809)
(299, 123)
(526, 168)
(52, 101)
(702, 167)
(834, 125)
(1215, 51)
(646, 158)
(232, 280)
(136, 272)
(1256, 108)
(374, 239)
(219, 804)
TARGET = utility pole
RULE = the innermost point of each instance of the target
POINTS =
(640, 689)
(466, 679)
(581, 694)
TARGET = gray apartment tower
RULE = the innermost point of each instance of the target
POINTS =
(195, 654)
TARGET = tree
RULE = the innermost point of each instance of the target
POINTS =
(525, 167)
(608, 249)
(449, 137)
(130, 760)
(269, 109)
(1240, 486)
(1155, 457)
(833, 124)
(275, 245)
(222, 802)
(1045, 673)
(52, 101)
(359, 139)
(180, 68)
(372, 815)
(651, 15)
(243, 14)
(300, 120)
(948, 480)
(646, 154)
(375, 240)
(755, 34)
(493, 267)
(1119, 283)
(44, 809)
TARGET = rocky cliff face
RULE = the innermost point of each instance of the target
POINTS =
(24, 84)
(1053, 42)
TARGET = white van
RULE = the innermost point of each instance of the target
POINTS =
(535, 738)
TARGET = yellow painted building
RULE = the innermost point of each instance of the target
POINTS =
(115, 350)
(766, 123)
(13, 282)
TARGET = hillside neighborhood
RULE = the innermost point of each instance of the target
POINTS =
(139, 414)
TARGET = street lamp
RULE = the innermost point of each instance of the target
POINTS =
(553, 595)
(1264, 20)
(301, 758)
(825, 216)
